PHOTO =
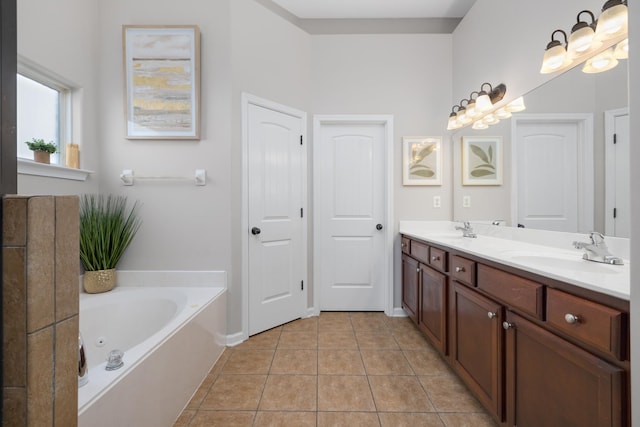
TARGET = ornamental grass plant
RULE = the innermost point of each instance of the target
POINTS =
(107, 227)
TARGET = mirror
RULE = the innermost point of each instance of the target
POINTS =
(573, 92)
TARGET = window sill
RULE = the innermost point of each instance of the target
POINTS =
(29, 167)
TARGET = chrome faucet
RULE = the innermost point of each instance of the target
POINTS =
(597, 250)
(467, 231)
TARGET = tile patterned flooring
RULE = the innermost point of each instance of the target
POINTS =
(338, 369)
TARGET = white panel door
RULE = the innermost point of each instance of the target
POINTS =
(618, 193)
(547, 165)
(276, 251)
(351, 214)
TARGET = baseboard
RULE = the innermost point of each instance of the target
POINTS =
(398, 312)
(235, 339)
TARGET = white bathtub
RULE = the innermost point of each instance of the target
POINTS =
(170, 336)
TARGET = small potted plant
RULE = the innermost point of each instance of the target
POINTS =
(42, 151)
(107, 227)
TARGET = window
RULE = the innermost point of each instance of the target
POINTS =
(43, 106)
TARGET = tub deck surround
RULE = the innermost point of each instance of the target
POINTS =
(154, 326)
(546, 253)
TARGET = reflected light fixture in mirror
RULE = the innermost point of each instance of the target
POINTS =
(586, 41)
(474, 110)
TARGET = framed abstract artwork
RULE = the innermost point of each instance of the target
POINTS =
(422, 160)
(162, 81)
(481, 160)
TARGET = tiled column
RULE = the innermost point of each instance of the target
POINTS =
(40, 310)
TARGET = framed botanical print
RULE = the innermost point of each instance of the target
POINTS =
(481, 160)
(422, 160)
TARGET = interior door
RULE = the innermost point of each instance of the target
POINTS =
(350, 177)
(276, 249)
(618, 194)
(547, 165)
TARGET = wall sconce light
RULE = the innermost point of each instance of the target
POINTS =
(481, 110)
(586, 41)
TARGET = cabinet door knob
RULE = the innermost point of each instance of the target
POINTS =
(417, 270)
(507, 325)
(571, 318)
(459, 269)
(435, 258)
(491, 315)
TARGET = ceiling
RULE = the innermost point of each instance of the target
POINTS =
(375, 9)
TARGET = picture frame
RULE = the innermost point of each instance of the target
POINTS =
(482, 160)
(422, 160)
(162, 81)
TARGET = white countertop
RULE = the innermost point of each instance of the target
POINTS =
(547, 253)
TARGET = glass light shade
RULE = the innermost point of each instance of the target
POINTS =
(516, 105)
(490, 119)
(612, 22)
(502, 113)
(622, 50)
(462, 117)
(582, 42)
(602, 62)
(483, 102)
(472, 111)
(453, 122)
(555, 58)
(479, 125)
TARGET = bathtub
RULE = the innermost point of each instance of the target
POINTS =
(170, 335)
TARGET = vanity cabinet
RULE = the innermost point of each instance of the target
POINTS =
(476, 345)
(533, 350)
(551, 382)
(410, 281)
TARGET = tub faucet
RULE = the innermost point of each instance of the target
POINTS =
(597, 250)
(467, 231)
(83, 370)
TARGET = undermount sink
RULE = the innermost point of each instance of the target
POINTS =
(560, 260)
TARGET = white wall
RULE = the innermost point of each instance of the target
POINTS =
(408, 76)
(60, 37)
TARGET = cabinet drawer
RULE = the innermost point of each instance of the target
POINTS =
(463, 270)
(438, 259)
(405, 245)
(592, 323)
(517, 292)
(420, 251)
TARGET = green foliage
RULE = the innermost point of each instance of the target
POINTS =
(107, 228)
(419, 169)
(487, 168)
(40, 145)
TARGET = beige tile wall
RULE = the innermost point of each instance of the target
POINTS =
(40, 258)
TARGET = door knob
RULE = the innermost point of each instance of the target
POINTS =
(379, 227)
(255, 231)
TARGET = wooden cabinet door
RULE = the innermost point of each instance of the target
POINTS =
(410, 281)
(551, 382)
(432, 318)
(476, 345)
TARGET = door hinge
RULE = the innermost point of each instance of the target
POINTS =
(615, 212)
(300, 139)
(301, 213)
(615, 138)
(302, 285)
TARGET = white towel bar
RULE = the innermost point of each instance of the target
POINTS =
(127, 176)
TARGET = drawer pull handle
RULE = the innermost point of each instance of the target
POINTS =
(435, 258)
(507, 325)
(491, 315)
(571, 318)
(459, 269)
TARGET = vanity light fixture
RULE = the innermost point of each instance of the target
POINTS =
(622, 50)
(555, 56)
(490, 119)
(516, 105)
(472, 111)
(479, 125)
(503, 113)
(601, 62)
(453, 119)
(581, 40)
(586, 41)
(613, 20)
(463, 119)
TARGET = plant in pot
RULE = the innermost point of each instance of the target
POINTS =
(42, 151)
(107, 227)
